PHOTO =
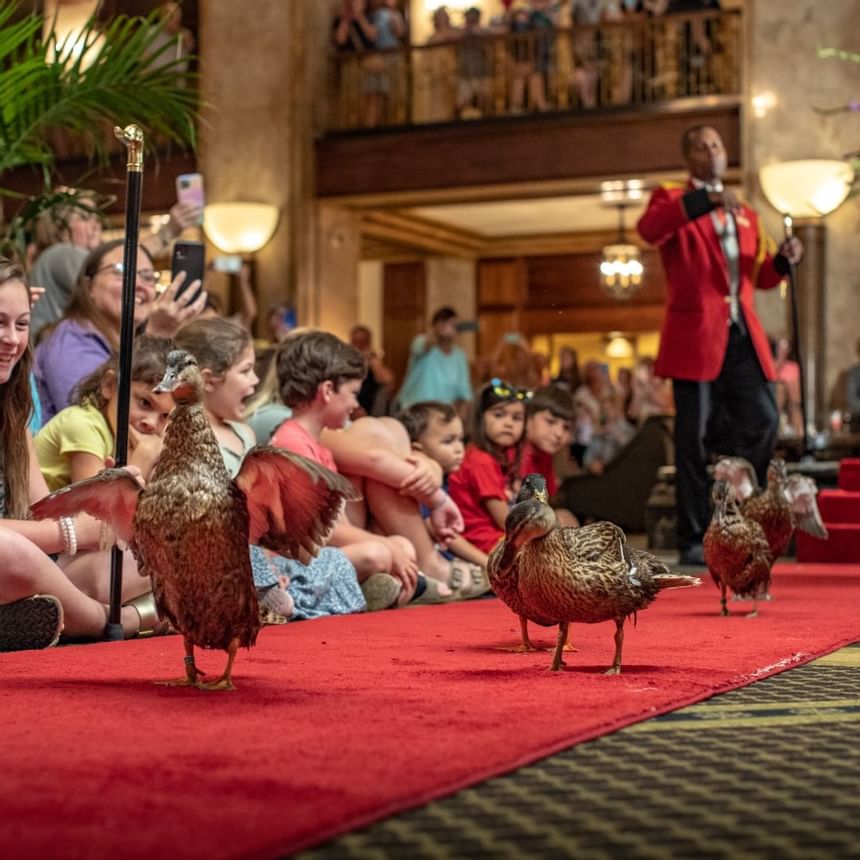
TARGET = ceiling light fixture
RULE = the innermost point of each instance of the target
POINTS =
(621, 269)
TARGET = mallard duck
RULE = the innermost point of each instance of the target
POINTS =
(190, 526)
(772, 510)
(795, 492)
(503, 573)
(736, 550)
(585, 575)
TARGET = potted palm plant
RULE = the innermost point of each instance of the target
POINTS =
(109, 73)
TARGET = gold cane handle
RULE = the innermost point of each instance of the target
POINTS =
(132, 137)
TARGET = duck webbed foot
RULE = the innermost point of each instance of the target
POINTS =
(526, 645)
(192, 673)
(224, 682)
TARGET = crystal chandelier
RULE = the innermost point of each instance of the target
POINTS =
(621, 269)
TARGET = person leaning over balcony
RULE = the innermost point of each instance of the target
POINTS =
(712, 344)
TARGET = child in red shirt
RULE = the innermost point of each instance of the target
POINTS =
(483, 486)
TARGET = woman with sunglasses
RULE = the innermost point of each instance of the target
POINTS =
(88, 332)
(483, 486)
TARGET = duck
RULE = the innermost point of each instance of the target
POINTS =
(737, 552)
(503, 573)
(562, 575)
(190, 526)
(788, 502)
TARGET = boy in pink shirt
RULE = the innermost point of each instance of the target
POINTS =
(319, 378)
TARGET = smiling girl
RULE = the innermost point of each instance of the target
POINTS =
(37, 600)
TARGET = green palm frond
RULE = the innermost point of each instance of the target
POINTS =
(116, 74)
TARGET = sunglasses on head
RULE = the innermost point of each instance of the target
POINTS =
(509, 392)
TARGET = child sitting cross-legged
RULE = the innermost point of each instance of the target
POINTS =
(319, 377)
(549, 427)
(436, 430)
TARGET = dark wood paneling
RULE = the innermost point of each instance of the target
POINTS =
(503, 283)
(562, 294)
(159, 179)
(532, 149)
(404, 308)
(573, 279)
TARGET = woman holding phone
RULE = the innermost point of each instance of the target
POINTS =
(88, 332)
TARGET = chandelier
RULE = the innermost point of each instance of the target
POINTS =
(621, 269)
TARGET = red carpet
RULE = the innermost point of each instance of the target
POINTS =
(840, 510)
(343, 721)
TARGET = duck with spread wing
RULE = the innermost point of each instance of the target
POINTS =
(190, 526)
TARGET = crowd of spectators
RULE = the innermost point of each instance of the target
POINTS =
(531, 56)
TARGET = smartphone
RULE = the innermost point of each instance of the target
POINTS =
(467, 325)
(189, 189)
(230, 263)
(188, 257)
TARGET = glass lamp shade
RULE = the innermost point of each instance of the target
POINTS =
(621, 270)
(808, 188)
(240, 228)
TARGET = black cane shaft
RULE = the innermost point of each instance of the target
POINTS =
(113, 630)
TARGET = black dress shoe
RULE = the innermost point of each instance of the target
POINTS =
(692, 556)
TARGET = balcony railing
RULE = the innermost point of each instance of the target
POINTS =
(614, 65)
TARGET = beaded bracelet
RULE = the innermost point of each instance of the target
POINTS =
(70, 535)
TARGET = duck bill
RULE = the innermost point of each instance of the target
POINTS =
(168, 383)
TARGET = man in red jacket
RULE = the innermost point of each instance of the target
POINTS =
(712, 345)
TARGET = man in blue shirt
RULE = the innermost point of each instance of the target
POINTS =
(438, 369)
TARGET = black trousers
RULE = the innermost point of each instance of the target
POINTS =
(734, 415)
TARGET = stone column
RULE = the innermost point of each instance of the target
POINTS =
(255, 139)
(812, 318)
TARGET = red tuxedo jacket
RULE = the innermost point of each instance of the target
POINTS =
(696, 330)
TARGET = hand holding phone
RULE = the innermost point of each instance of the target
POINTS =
(189, 192)
(188, 257)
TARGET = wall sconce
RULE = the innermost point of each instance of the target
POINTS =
(240, 228)
(809, 188)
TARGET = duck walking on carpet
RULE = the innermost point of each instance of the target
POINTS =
(736, 550)
(190, 526)
(551, 574)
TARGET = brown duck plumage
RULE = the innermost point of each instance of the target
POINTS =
(736, 550)
(190, 527)
(772, 510)
(559, 575)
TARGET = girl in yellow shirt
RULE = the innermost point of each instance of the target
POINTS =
(74, 444)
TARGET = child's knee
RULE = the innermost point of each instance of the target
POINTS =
(404, 545)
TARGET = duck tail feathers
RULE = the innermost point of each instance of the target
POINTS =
(675, 580)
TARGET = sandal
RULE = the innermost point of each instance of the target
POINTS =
(380, 591)
(477, 585)
(32, 623)
(150, 622)
(431, 595)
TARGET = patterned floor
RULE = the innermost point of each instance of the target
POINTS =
(768, 771)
